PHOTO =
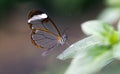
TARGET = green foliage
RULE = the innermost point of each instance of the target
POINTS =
(103, 31)
(94, 52)
(101, 46)
(53, 6)
(113, 3)
(110, 15)
(68, 6)
(73, 50)
(90, 62)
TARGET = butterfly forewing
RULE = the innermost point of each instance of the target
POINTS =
(48, 25)
(36, 24)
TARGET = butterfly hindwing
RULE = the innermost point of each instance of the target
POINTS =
(43, 39)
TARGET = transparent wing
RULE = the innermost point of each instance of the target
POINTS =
(44, 39)
(44, 31)
(36, 24)
(47, 24)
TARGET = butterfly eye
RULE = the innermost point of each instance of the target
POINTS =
(45, 33)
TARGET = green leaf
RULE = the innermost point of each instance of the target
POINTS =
(92, 61)
(109, 15)
(103, 31)
(95, 27)
(113, 3)
(78, 48)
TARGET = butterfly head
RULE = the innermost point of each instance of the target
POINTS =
(61, 40)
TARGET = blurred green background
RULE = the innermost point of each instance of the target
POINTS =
(19, 56)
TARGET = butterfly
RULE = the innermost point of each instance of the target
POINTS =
(44, 32)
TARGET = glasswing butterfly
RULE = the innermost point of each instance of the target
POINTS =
(45, 33)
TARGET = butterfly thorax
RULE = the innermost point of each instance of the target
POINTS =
(61, 40)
